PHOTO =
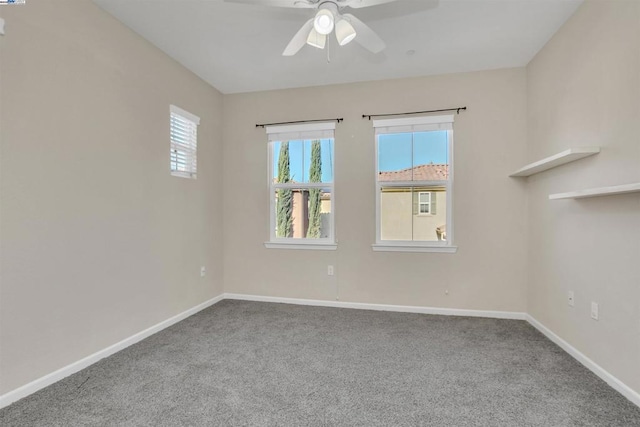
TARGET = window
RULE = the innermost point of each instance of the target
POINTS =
(184, 143)
(414, 171)
(424, 202)
(301, 190)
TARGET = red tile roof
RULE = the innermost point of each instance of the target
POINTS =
(430, 172)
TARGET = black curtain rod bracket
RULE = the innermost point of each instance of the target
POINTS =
(457, 110)
(299, 121)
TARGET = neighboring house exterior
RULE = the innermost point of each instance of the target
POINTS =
(406, 213)
(414, 213)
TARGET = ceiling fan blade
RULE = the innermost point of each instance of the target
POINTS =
(276, 3)
(366, 37)
(299, 40)
(357, 4)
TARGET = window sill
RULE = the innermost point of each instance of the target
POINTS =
(386, 247)
(306, 246)
(187, 175)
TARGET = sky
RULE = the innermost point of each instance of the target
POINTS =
(404, 150)
(300, 159)
(395, 152)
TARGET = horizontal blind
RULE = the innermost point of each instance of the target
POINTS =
(301, 131)
(184, 142)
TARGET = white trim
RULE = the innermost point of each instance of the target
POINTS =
(306, 127)
(187, 115)
(513, 315)
(291, 185)
(393, 184)
(182, 174)
(1, 27)
(310, 246)
(389, 247)
(412, 121)
(614, 382)
(42, 382)
(38, 384)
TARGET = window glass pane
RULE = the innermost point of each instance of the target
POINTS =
(430, 147)
(400, 217)
(296, 161)
(396, 211)
(305, 161)
(394, 156)
(430, 156)
(326, 150)
(303, 213)
(318, 160)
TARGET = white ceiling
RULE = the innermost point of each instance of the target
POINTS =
(237, 47)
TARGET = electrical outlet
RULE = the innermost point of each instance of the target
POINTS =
(570, 298)
(594, 310)
(329, 270)
(203, 271)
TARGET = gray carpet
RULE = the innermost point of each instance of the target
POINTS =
(253, 364)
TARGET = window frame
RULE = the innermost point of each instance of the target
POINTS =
(412, 125)
(190, 152)
(299, 132)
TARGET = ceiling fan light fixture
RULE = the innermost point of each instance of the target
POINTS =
(344, 32)
(316, 39)
(324, 21)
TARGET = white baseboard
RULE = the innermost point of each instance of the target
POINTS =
(614, 382)
(382, 307)
(61, 373)
(27, 389)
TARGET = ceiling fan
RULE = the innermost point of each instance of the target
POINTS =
(327, 20)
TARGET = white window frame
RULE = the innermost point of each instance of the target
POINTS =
(190, 152)
(307, 131)
(428, 204)
(406, 125)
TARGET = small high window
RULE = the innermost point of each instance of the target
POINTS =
(184, 143)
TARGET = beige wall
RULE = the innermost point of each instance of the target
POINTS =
(98, 241)
(487, 273)
(583, 90)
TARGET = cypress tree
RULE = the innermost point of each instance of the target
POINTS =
(315, 175)
(284, 207)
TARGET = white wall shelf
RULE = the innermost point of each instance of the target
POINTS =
(570, 155)
(596, 192)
